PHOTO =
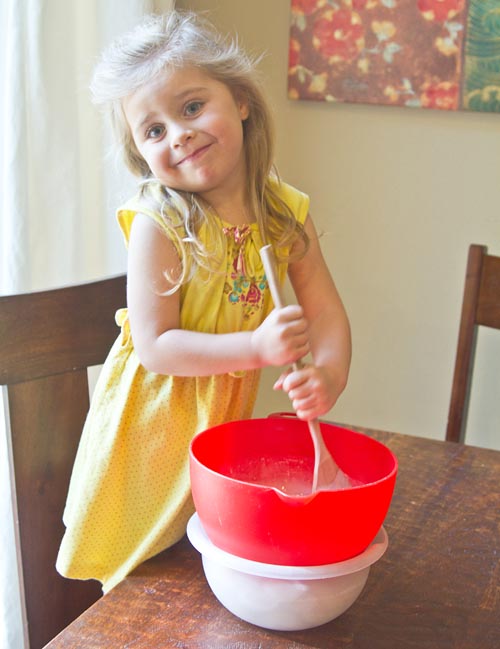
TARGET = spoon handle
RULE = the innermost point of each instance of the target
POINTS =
(327, 474)
(269, 262)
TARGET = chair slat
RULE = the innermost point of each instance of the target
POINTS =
(488, 308)
(53, 331)
(45, 438)
(480, 306)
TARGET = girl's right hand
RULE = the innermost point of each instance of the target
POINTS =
(282, 338)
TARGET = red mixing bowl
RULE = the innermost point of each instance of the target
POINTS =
(251, 484)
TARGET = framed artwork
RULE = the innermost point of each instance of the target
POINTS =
(438, 54)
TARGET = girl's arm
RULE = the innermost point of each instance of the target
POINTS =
(315, 388)
(163, 347)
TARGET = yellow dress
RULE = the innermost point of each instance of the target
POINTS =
(129, 496)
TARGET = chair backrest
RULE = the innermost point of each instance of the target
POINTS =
(47, 341)
(480, 306)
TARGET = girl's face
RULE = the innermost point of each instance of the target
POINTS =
(188, 127)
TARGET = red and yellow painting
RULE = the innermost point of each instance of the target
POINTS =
(440, 54)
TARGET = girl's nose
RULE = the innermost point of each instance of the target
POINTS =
(181, 136)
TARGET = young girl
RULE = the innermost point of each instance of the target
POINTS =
(193, 125)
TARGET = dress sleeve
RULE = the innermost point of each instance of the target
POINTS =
(125, 217)
(126, 214)
(296, 200)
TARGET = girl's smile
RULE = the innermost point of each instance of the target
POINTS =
(188, 127)
(195, 155)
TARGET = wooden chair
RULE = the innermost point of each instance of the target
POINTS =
(47, 341)
(480, 306)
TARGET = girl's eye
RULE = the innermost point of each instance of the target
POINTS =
(193, 108)
(154, 132)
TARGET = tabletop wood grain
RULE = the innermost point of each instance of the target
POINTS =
(437, 586)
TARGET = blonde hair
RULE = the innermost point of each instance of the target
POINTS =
(175, 40)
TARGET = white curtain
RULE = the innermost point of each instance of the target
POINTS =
(58, 186)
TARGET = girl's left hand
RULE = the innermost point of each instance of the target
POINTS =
(311, 390)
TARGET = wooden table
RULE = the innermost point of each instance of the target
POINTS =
(437, 586)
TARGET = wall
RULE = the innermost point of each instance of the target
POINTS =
(400, 195)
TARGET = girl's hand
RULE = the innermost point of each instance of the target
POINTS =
(311, 390)
(282, 338)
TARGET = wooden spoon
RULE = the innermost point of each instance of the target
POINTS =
(327, 475)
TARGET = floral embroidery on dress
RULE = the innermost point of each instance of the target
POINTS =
(242, 289)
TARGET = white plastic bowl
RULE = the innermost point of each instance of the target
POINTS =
(284, 598)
